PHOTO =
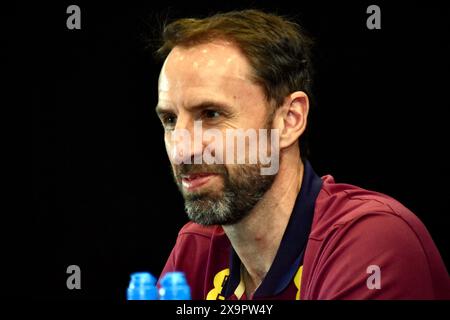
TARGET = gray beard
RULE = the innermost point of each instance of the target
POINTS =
(237, 199)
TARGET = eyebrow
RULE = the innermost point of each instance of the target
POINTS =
(208, 104)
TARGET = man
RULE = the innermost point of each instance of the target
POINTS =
(288, 234)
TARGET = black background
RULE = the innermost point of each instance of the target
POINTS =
(103, 197)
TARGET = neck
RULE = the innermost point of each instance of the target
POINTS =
(257, 237)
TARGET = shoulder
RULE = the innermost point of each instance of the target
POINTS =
(192, 229)
(339, 206)
(355, 229)
(198, 237)
(194, 243)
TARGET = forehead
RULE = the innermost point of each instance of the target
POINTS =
(218, 67)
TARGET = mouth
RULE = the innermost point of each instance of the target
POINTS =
(194, 181)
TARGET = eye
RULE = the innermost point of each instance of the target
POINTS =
(169, 120)
(211, 114)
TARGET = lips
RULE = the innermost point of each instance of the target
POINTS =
(195, 180)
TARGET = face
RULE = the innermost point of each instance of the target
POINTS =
(211, 83)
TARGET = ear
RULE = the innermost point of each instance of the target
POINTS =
(291, 118)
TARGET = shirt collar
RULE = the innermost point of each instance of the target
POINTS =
(292, 247)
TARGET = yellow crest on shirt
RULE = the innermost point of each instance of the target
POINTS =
(221, 277)
(219, 280)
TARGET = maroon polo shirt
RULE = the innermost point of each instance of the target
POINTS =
(341, 242)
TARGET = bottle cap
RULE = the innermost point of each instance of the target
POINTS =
(174, 287)
(142, 287)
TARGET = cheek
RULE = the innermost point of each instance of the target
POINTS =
(169, 145)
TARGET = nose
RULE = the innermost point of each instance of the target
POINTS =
(186, 142)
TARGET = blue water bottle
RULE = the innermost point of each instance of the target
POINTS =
(142, 287)
(174, 287)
